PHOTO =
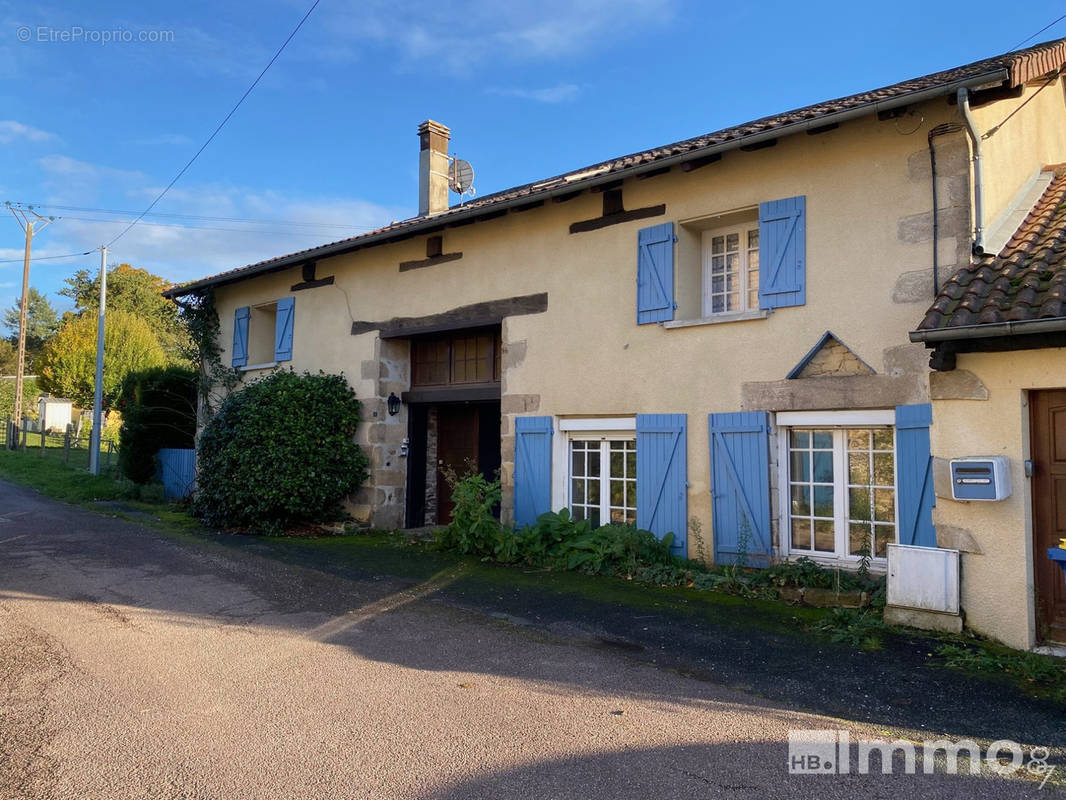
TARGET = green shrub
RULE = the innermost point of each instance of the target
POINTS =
(279, 451)
(474, 529)
(158, 408)
(618, 549)
(559, 541)
(856, 628)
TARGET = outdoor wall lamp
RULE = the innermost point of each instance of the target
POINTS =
(394, 404)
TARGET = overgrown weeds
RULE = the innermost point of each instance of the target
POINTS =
(1046, 673)
(558, 541)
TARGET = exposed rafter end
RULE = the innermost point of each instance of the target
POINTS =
(566, 198)
(765, 143)
(652, 173)
(702, 161)
(832, 126)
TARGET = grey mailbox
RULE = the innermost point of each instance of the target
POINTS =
(980, 478)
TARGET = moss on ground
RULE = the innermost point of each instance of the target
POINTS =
(480, 583)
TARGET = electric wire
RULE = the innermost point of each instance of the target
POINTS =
(47, 258)
(256, 231)
(307, 223)
(1029, 39)
(216, 131)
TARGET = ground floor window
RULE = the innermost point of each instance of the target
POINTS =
(841, 491)
(603, 480)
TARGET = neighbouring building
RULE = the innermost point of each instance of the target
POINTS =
(54, 414)
(713, 330)
(997, 331)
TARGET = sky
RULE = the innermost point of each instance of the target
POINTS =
(101, 104)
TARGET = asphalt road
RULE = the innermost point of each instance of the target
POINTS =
(138, 665)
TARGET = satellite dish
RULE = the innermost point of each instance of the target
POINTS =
(461, 176)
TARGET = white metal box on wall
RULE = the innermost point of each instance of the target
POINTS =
(925, 578)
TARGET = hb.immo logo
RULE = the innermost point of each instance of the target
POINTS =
(829, 752)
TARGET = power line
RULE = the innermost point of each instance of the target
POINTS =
(208, 218)
(215, 133)
(196, 227)
(1029, 39)
(46, 258)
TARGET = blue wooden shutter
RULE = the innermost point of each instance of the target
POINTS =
(783, 252)
(240, 336)
(283, 329)
(532, 468)
(655, 274)
(662, 477)
(740, 487)
(914, 475)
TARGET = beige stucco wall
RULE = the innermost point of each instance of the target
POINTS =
(868, 280)
(997, 565)
(1033, 138)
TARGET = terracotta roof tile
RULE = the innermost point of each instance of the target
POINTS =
(1020, 66)
(1024, 281)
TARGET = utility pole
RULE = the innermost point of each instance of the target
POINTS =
(98, 393)
(30, 221)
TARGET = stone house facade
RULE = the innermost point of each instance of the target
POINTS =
(713, 330)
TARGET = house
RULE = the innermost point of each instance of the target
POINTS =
(997, 334)
(713, 330)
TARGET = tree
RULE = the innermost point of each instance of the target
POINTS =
(158, 409)
(42, 321)
(8, 357)
(67, 364)
(139, 292)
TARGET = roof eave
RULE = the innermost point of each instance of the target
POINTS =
(989, 330)
(339, 248)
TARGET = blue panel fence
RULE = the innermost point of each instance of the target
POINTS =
(176, 469)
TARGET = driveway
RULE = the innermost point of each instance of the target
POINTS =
(137, 664)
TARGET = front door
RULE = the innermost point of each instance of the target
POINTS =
(1047, 411)
(457, 451)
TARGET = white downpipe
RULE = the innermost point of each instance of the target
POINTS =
(975, 139)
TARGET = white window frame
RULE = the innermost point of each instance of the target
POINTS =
(838, 421)
(568, 429)
(706, 299)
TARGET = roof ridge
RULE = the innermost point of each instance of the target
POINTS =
(1020, 66)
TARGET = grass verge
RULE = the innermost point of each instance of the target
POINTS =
(394, 555)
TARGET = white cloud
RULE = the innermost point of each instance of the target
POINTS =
(70, 168)
(179, 247)
(10, 130)
(563, 93)
(458, 35)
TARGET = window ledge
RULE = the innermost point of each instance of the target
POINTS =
(878, 566)
(264, 365)
(718, 319)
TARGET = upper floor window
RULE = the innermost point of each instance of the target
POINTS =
(263, 333)
(737, 265)
(730, 278)
(463, 358)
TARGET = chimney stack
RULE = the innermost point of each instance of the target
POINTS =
(432, 168)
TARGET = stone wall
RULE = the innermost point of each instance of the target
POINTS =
(381, 501)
